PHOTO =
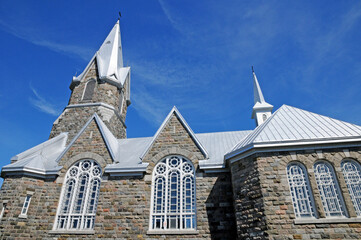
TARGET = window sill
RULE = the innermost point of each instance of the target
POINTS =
(174, 232)
(327, 220)
(78, 232)
(23, 216)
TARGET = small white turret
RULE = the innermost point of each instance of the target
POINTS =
(261, 109)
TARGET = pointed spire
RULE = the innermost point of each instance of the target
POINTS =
(261, 109)
(258, 96)
(109, 59)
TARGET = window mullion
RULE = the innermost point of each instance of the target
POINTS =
(73, 199)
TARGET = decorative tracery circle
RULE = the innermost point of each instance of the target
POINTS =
(161, 168)
(73, 171)
(174, 162)
(96, 171)
(187, 168)
(85, 166)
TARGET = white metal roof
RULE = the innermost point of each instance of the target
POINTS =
(109, 59)
(291, 125)
(40, 159)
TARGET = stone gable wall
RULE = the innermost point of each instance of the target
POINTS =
(278, 203)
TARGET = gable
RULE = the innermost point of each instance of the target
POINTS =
(174, 133)
(95, 138)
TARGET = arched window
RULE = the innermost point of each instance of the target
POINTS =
(89, 90)
(352, 174)
(173, 205)
(302, 199)
(79, 197)
(329, 190)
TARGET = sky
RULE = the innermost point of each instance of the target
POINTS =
(196, 55)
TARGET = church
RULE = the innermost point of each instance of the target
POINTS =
(297, 175)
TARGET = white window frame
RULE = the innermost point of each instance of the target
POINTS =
(301, 192)
(351, 170)
(26, 204)
(186, 171)
(5, 202)
(329, 189)
(86, 85)
(69, 213)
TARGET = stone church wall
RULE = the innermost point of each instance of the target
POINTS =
(124, 202)
(248, 202)
(278, 203)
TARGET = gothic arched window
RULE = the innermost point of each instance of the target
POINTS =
(302, 198)
(173, 205)
(329, 190)
(89, 90)
(79, 197)
(352, 174)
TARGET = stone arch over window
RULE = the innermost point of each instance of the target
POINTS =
(173, 204)
(89, 90)
(79, 197)
(329, 189)
(352, 174)
(302, 198)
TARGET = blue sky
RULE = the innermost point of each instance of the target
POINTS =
(196, 55)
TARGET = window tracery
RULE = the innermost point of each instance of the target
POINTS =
(302, 198)
(79, 197)
(329, 190)
(352, 174)
(173, 195)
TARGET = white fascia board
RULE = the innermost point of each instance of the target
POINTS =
(37, 148)
(32, 171)
(126, 171)
(292, 146)
(97, 119)
(204, 165)
(184, 123)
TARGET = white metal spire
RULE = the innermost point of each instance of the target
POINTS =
(109, 59)
(258, 96)
(261, 109)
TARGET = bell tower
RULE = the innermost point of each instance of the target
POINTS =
(103, 88)
(261, 109)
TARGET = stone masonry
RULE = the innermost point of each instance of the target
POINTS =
(74, 116)
(278, 212)
(124, 202)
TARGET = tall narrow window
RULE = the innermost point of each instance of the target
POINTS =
(25, 208)
(329, 190)
(302, 199)
(3, 209)
(352, 174)
(79, 197)
(89, 90)
(173, 195)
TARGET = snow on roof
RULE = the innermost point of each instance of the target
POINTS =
(294, 126)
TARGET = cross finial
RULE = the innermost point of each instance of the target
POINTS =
(120, 15)
(252, 69)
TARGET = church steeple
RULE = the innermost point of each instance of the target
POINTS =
(261, 109)
(103, 88)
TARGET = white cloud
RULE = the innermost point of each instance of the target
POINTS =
(42, 104)
(34, 38)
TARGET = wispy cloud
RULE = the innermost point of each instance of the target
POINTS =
(42, 104)
(69, 50)
(150, 107)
